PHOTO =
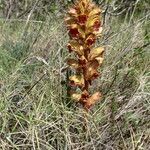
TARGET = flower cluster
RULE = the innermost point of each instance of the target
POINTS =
(84, 26)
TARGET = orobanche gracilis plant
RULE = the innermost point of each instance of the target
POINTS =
(84, 26)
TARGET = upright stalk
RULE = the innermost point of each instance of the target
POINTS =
(84, 26)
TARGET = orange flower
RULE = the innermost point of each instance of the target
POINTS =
(84, 26)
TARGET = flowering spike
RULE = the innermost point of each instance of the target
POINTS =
(84, 26)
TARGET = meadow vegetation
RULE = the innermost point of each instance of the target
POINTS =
(34, 110)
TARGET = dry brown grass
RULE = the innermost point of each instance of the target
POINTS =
(33, 111)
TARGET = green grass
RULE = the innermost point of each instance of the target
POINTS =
(34, 114)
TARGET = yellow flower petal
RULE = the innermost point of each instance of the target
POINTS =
(77, 80)
(96, 52)
(91, 21)
(100, 60)
(76, 97)
(95, 11)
